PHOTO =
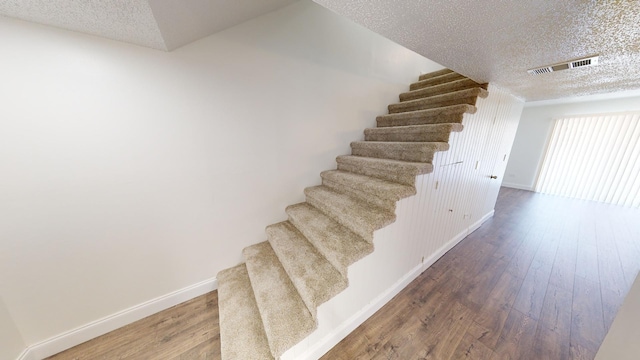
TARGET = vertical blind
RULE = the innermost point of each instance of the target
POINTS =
(594, 157)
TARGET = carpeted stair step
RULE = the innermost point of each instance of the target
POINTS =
(436, 80)
(440, 89)
(242, 333)
(405, 151)
(435, 74)
(402, 172)
(315, 278)
(285, 316)
(339, 245)
(355, 214)
(413, 133)
(448, 114)
(468, 96)
(375, 191)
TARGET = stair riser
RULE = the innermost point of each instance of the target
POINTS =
(395, 153)
(382, 122)
(426, 104)
(284, 246)
(371, 186)
(327, 237)
(359, 229)
(242, 333)
(384, 174)
(314, 240)
(435, 74)
(365, 233)
(439, 89)
(263, 267)
(409, 137)
(362, 195)
(443, 79)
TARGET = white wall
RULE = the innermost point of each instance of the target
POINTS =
(129, 173)
(11, 343)
(535, 130)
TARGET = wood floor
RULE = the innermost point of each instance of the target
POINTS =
(543, 279)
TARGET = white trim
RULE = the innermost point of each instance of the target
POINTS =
(479, 223)
(517, 186)
(320, 348)
(26, 355)
(115, 321)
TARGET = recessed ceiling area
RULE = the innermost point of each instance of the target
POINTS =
(158, 24)
(498, 41)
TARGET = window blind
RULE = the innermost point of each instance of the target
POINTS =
(594, 157)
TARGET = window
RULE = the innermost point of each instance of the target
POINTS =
(594, 157)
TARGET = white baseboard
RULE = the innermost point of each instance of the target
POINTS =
(323, 346)
(479, 223)
(25, 355)
(107, 324)
(317, 350)
(517, 186)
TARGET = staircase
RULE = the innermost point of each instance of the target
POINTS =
(268, 304)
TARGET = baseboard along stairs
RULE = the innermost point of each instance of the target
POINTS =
(268, 304)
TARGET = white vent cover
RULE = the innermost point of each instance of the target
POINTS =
(589, 61)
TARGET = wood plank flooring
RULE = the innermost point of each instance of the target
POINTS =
(543, 279)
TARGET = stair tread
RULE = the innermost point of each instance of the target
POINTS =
(447, 114)
(439, 100)
(357, 215)
(242, 333)
(315, 278)
(439, 132)
(435, 112)
(427, 128)
(416, 168)
(406, 151)
(376, 187)
(439, 89)
(339, 245)
(403, 172)
(285, 316)
(440, 79)
(436, 146)
(435, 73)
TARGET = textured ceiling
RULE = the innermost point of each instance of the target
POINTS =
(497, 41)
(158, 24)
(124, 20)
(490, 41)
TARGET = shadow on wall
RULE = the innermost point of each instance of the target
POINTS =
(314, 34)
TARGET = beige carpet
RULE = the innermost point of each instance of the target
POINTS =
(268, 304)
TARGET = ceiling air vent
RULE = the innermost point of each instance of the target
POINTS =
(590, 61)
(584, 62)
(542, 70)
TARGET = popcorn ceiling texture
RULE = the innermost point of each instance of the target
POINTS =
(497, 41)
(489, 41)
(130, 21)
(158, 24)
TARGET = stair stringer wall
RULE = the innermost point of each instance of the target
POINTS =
(450, 203)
